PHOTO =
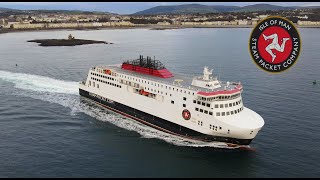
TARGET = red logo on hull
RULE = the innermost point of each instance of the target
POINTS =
(186, 114)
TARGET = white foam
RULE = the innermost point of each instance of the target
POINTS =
(65, 93)
(39, 83)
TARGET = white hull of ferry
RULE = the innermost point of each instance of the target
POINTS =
(172, 108)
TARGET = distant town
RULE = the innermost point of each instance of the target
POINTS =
(50, 19)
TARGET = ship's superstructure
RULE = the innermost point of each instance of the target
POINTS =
(201, 108)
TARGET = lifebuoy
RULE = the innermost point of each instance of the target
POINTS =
(186, 114)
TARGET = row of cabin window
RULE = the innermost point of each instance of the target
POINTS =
(221, 97)
(95, 74)
(214, 127)
(155, 84)
(217, 105)
(106, 82)
(204, 111)
(226, 105)
(202, 103)
(155, 91)
(229, 112)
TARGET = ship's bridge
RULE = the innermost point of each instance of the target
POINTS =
(207, 81)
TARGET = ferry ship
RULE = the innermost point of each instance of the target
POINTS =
(200, 108)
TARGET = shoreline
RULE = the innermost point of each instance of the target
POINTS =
(150, 27)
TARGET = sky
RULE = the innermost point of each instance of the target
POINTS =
(127, 7)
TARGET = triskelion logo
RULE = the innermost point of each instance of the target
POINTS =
(275, 44)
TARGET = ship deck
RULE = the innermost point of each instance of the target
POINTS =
(185, 83)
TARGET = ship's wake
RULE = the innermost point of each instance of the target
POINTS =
(65, 93)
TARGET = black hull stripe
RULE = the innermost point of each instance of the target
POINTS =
(159, 123)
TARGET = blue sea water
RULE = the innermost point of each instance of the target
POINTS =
(46, 131)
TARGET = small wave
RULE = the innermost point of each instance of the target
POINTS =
(65, 93)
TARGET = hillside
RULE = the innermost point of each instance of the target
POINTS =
(186, 9)
(198, 8)
(261, 7)
(7, 11)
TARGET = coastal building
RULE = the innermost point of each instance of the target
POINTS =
(242, 22)
(3, 21)
(308, 23)
(302, 17)
(163, 23)
(27, 26)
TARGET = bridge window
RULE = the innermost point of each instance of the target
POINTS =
(210, 113)
(194, 101)
(223, 114)
(221, 105)
(184, 105)
(197, 109)
(206, 112)
(226, 105)
(231, 112)
(208, 105)
(198, 102)
(228, 113)
(172, 102)
(216, 106)
(203, 104)
(184, 98)
(201, 110)
(218, 114)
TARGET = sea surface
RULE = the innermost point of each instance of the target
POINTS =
(46, 130)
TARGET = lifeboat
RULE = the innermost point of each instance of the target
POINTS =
(142, 92)
(107, 71)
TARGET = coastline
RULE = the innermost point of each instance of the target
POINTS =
(150, 27)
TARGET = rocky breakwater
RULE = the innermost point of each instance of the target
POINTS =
(71, 41)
